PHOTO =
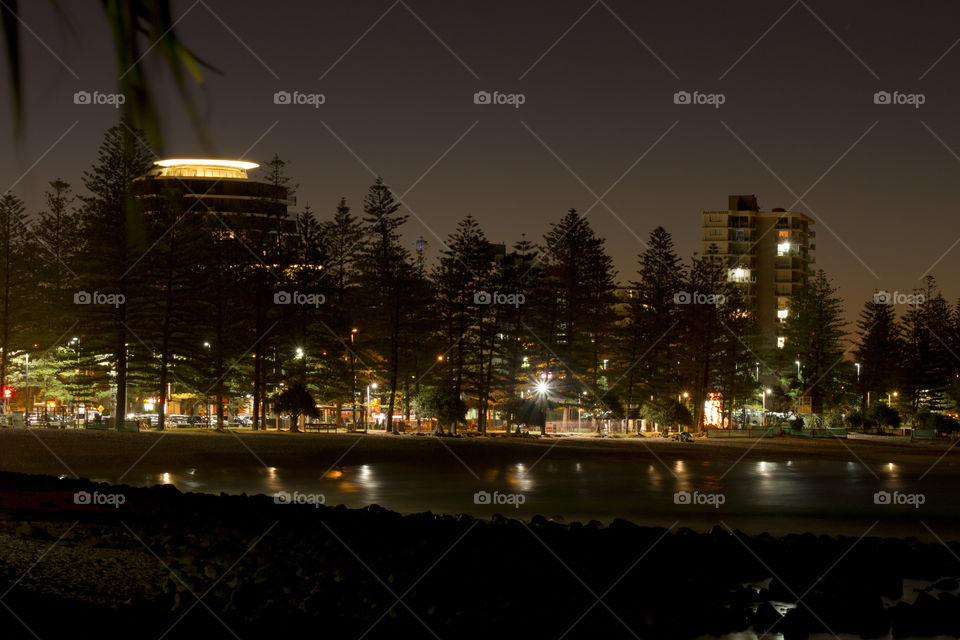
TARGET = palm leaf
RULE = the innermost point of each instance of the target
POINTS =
(11, 37)
(130, 21)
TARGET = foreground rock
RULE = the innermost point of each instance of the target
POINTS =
(217, 565)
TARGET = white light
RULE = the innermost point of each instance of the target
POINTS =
(542, 387)
(783, 248)
(782, 313)
(373, 385)
(206, 162)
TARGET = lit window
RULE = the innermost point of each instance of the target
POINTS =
(739, 274)
(780, 342)
(783, 249)
(782, 314)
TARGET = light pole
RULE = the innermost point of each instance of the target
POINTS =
(366, 420)
(797, 362)
(681, 400)
(763, 396)
(857, 365)
(353, 376)
(76, 340)
(26, 383)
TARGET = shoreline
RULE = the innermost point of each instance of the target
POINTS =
(138, 568)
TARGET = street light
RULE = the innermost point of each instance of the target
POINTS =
(857, 365)
(76, 407)
(26, 400)
(299, 353)
(353, 375)
(763, 396)
(797, 362)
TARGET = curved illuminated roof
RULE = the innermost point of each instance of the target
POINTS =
(204, 168)
(207, 162)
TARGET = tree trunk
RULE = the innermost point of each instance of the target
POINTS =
(394, 360)
(219, 410)
(120, 409)
(161, 414)
(256, 388)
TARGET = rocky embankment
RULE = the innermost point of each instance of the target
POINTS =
(219, 565)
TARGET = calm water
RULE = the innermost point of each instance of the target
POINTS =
(833, 497)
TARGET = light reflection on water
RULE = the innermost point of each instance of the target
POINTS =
(824, 496)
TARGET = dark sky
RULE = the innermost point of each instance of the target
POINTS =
(798, 81)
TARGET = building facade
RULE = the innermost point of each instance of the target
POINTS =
(767, 253)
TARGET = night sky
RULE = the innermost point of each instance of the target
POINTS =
(798, 122)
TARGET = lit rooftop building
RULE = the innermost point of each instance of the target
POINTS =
(202, 168)
(220, 186)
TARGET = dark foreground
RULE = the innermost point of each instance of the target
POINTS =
(173, 565)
